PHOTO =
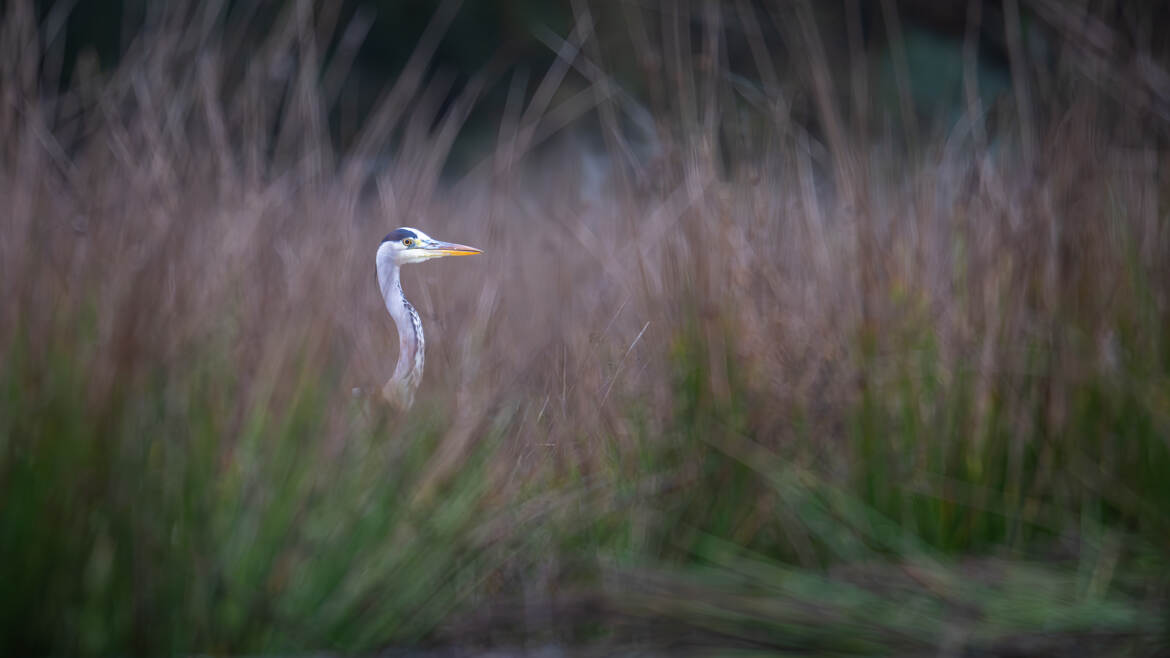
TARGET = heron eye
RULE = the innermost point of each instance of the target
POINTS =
(408, 242)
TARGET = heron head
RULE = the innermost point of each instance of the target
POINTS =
(410, 245)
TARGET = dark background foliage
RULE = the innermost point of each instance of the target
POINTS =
(495, 38)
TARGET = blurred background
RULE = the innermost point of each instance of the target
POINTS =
(937, 47)
(830, 328)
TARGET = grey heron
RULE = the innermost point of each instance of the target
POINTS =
(401, 247)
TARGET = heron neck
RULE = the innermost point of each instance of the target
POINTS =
(408, 371)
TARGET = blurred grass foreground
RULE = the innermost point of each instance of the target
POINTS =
(764, 355)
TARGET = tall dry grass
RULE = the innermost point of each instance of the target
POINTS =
(754, 373)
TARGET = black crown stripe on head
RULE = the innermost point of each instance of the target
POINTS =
(399, 234)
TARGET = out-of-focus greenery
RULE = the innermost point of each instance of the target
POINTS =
(768, 390)
(177, 518)
(183, 514)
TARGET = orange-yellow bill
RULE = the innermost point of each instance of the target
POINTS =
(452, 249)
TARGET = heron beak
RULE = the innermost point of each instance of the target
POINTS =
(438, 248)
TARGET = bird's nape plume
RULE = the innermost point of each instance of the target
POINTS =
(403, 246)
